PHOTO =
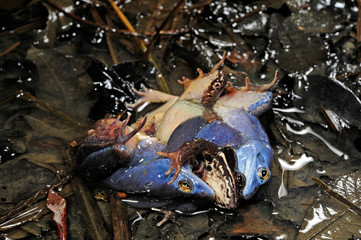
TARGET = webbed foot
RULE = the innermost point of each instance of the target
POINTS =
(257, 88)
(185, 152)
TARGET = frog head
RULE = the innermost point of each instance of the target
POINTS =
(253, 160)
(147, 186)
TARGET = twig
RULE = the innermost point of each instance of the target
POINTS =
(29, 97)
(337, 196)
(110, 29)
(90, 211)
(358, 25)
(247, 15)
(110, 44)
(120, 219)
(32, 200)
(156, 37)
(163, 84)
(23, 28)
(98, 19)
(12, 47)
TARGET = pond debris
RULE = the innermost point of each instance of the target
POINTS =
(27, 96)
(161, 80)
(29, 210)
(57, 204)
(337, 196)
(120, 219)
(12, 47)
(337, 123)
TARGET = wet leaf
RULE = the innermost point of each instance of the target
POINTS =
(329, 218)
(256, 219)
(330, 94)
(309, 20)
(45, 38)
(15, 173)
(295, 50)
(112, 86)
(60, 85)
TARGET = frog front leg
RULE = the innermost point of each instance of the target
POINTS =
(186, 151)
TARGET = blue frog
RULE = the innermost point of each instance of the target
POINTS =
(207, 145)
(211, 110)
(118, 157)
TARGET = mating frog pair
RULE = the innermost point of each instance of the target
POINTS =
(205, 146)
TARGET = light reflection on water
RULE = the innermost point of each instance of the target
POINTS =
(297, 164)
(308, 130)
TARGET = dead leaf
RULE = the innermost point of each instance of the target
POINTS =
(329, 218)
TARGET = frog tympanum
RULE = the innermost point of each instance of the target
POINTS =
(205, 146)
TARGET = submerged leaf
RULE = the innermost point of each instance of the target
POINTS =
(295, 50)
(329, 218)
(332, 95)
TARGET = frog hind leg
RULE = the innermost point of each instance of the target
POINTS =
(254, 99)
(261, 88)
(185, 152)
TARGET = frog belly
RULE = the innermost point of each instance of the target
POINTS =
(180, 112)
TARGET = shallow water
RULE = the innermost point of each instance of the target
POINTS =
(69, 65)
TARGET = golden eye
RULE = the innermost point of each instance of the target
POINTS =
(185, 185)
(263, 174)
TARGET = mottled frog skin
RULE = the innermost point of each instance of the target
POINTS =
(204, 146)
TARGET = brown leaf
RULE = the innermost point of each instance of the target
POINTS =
(257, 219)
(329, 218)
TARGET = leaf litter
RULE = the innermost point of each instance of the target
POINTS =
(265, 36)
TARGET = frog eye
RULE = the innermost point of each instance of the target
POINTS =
(185, 185)
(263, 174)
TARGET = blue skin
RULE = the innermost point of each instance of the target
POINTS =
(143, 176)
(144, 181)
(240, 131)
(253, 155)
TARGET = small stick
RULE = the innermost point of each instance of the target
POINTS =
(38, 195)
(179, 5)
(29, 97)
(12, 47)
(120, 219)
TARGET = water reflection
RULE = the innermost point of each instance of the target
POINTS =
(308, 130)
(296, 165)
